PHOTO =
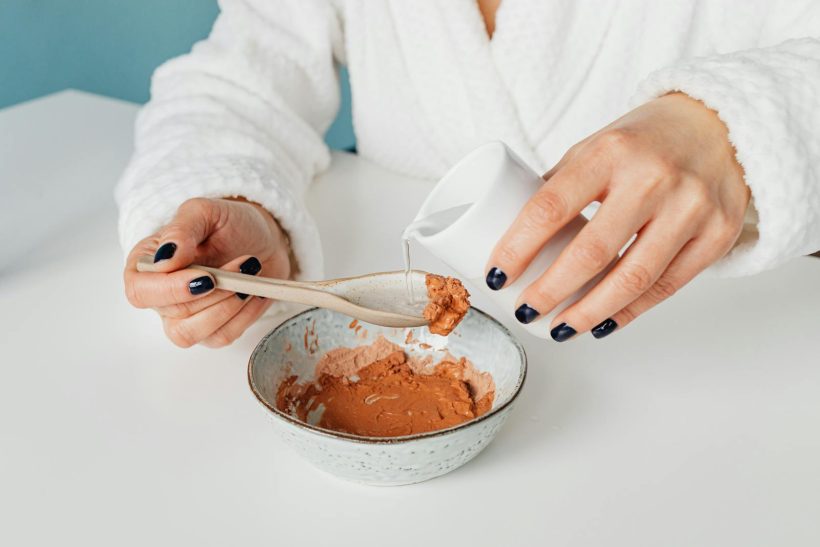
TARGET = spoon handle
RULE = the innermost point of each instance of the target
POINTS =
(277, 289)
(310, 294)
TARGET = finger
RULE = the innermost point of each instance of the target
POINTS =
(592, 250)
(246, 264)
(558, 201)
(177, 242)
(173, 248)
(696, 256)
(153, 290)
(636, 271)
(233, 329)
(196, 328)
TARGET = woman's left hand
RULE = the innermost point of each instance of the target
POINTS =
(666, 172)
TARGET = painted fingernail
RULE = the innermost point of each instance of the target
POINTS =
(165, 252)
(562, 332)
(526, 314)
(200, 285)
(496, 278)
(251, 266)
(605, 328)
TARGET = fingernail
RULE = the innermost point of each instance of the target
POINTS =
(165, 252)
(526, 314)
(200, 285)
(604, 328)
(562, 332)
(496, 278)
(251, 266)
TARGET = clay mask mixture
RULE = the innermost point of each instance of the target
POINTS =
(378, 390)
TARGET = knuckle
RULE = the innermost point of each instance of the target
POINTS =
(698, 198)
(729, 229)
(729, 237)
(625, 316)
(662, 289)
(659, 168)
(591, 255)
(546, 207)
(573, 151)
(177, 311)
(221, 338)
(133, 295)
(633, 278)
(693, 213)
(179, 333)
(723, 232)
(640, 189)
(700, 193)
(174, 230)
(614, 142)
(195, 205)
(655, 176)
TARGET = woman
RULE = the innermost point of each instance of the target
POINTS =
(717, 164)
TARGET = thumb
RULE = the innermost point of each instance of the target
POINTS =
(178, 240)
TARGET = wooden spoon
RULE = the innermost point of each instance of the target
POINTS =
(377, 298)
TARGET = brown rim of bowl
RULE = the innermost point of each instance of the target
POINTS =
(387, 440)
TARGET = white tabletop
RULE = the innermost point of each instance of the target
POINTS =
(697, 425)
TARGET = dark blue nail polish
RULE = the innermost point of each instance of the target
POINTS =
(165, 252)
(562, 332)
(496, 278)
(200, 285)
(251, 266)
(526, 314)
(605, 328)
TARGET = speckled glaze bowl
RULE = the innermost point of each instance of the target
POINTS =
(295, 346)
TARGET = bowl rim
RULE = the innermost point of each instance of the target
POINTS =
(522, 376)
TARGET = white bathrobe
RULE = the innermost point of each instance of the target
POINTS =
(244, 113)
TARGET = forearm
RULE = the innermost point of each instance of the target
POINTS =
(226, 122)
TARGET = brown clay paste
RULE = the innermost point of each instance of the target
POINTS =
(448, 303)
(378, 391)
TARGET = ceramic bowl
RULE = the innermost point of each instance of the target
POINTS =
(295, 346)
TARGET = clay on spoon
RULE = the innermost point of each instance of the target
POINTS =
(378, 298)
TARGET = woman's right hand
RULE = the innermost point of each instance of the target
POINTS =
(232, 234)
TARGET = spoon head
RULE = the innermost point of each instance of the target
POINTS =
(390, 299)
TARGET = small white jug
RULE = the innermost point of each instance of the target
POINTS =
(469, 210)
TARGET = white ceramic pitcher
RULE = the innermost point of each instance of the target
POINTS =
(469, 210)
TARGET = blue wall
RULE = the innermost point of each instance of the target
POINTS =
(109, 47)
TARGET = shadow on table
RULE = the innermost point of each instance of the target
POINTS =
(562, 397)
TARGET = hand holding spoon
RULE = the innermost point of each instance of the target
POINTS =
(378, 298)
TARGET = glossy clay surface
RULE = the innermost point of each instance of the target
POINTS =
(397, 460)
